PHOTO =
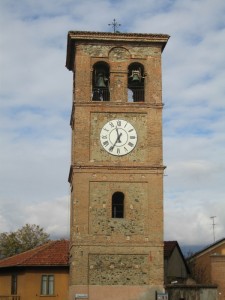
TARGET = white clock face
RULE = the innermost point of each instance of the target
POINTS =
(118, 137)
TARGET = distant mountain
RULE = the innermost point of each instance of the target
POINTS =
(188, 250)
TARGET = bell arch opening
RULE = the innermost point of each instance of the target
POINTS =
(100, 82)
(135, 82)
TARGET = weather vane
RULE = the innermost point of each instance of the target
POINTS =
(114, 24)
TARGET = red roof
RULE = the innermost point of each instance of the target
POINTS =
(53, 253)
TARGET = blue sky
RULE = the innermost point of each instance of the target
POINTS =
(36, 96)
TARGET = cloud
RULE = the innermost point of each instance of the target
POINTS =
(52, 215)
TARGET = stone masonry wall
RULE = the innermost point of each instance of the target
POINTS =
(135, 210)
(118, 269)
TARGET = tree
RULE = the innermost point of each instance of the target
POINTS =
(198, 270)
(25, 238)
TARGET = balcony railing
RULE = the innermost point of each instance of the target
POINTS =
(12, 297)
(100, 94)
(136, 95)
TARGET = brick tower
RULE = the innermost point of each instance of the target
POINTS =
(116, 173)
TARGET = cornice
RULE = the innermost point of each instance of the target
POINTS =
(114, 105)
(136, 169)
(118, 104)
(118, 36)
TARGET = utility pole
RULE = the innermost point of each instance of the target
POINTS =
(213, 226)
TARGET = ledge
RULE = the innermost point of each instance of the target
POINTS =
(190, 286)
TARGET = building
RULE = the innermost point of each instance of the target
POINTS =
(175, 267)
(44, 271)
(37, 273)
(117, 169)
(208, 266)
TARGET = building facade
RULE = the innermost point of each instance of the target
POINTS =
(43, 272)
(208, 266)
(117, 169)
(176, 270)
(36, 274)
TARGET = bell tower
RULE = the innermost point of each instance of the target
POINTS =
(116, 173)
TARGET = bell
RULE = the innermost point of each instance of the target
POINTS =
(100, 80)
(136, 76)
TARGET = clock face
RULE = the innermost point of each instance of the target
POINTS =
(118, 137)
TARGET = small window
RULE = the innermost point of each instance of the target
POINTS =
(14, 284)
(135, 82)
(47, 285)
(100, 82)
(118, 205)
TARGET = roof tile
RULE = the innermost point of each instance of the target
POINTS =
(53, 253)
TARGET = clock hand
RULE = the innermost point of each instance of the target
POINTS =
(117, 140)
(118, 135)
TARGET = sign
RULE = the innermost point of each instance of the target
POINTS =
(81, 296)
(162, 296)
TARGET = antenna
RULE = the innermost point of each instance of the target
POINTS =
(213, 226)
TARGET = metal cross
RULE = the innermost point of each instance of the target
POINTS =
(114, 24)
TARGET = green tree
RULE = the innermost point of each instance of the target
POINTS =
(25, 238)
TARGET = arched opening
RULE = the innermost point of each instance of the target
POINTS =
(118, 205)
(100, 82)
(135, 82)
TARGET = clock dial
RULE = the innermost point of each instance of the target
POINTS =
(118, 137)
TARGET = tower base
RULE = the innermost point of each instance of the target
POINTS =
(114, 292)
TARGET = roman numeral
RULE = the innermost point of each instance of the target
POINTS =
(132, 137)
(118, 151)
(130, 144)
(106, 143)
(104, 136)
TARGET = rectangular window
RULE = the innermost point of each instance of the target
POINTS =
(47, 285)
(14, 284)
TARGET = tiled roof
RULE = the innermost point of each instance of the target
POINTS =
(169, 246)
(53, 253)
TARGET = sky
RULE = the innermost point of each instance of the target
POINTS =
(36, 99)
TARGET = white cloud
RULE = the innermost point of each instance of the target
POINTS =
(36, 96)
